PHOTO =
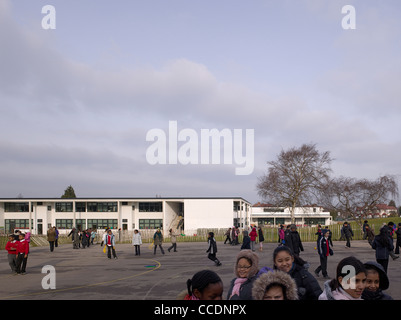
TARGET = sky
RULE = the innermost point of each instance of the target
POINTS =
(78, 101)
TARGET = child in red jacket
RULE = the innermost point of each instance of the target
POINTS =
(22, 254)
(11, 248)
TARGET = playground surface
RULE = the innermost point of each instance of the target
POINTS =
(87, 274)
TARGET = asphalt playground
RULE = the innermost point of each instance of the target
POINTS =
(87, 274)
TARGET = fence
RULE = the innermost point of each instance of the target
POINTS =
(307, 234)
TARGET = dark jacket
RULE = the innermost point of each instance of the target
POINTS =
(260, 235)
(293, 241)
(308, 287)
(212, 246)
(382, 249)
(383, 283)
(322, 247)
(246, 241)
(347, 231)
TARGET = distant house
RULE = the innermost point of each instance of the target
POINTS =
(263, 214)
(380, 210)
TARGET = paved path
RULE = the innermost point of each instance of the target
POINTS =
(87, 274)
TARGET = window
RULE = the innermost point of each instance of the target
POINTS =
(102, 206)
(80, 206)
(150, 223)
(273, 209)
(151, 207)
(16, 207)
(15, 224)
(103, 223)
(64, 206)
(64, 223)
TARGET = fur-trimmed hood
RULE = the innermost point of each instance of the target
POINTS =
(251, 256)
(276, 276)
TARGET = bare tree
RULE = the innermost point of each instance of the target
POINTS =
(353, 196)
(295, 178)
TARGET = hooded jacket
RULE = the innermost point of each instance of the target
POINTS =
(383, 283)
(245, 291)
(336, 294)
(275, 277)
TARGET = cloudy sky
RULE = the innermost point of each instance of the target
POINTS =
(78, 101)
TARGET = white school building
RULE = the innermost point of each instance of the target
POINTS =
(269, 215)
(36, 215)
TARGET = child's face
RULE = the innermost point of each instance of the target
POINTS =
(21, 237)
(283, 261)
(274, 293)
(214, 291)
(354, 290)
(10, 238)
(243, 267)
(372, 280)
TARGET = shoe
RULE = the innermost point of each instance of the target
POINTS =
(317, 274)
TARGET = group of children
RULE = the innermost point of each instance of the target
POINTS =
(17, 252)
(289, 278)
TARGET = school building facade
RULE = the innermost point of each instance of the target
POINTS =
(269, 215)
(36, 215)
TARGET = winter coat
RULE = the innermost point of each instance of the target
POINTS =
(276, 276)
(382, 252)
(112, 240)
(293, 241)
(260, 235)
(51, 235)
(322, 247)
(245, 291)
(246, 241)
(347, 231)
(383, 283)
(158, 238)
(307, 286)
(212, 246)
(334, 294)
(173, 237)
(136, 239)
(253, 234)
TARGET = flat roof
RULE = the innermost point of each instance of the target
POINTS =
(121, 199)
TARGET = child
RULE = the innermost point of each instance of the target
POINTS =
(285, 260)
(22, 255)
(383, 245)
(349, 283)
(173, 237)
(376, 282)
(253, 235)
(246, 271)
(275, 285)
(324, 250)
(11, 248)
(158, 241)
(261, 238)
(398, 241)
(246, 241)
(109, 241)
(204, 285)
(137, 241)
(212, 250)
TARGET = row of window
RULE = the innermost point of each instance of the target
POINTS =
(84, 207)
(15, 224)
